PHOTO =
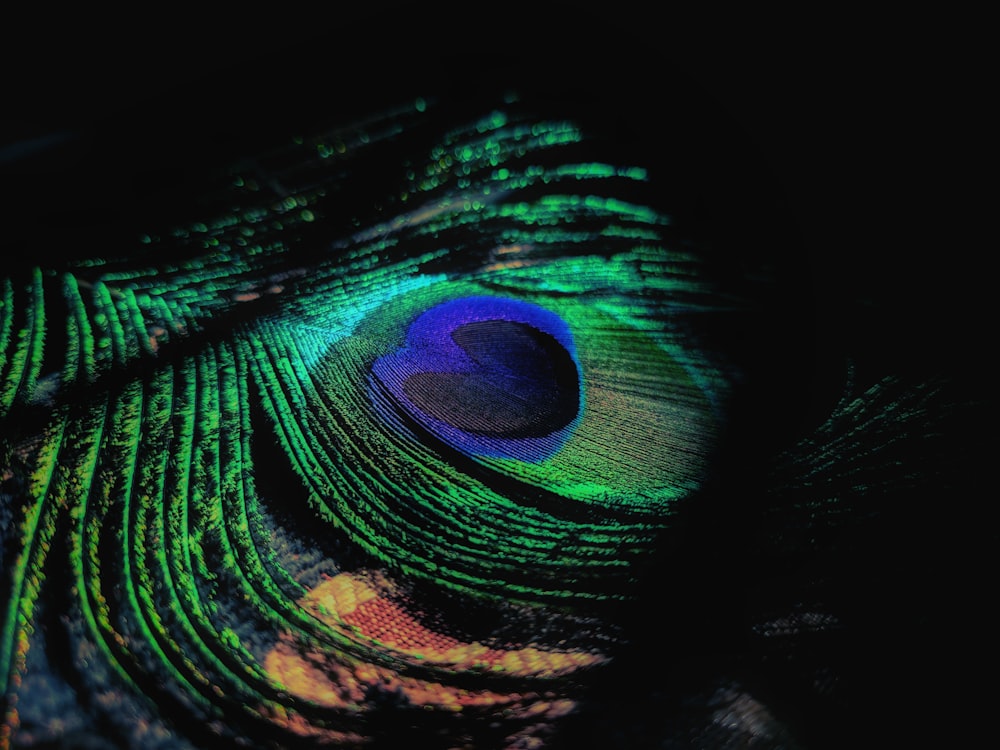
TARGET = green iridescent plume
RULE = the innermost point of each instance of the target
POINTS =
(188, 419)
(430, 431)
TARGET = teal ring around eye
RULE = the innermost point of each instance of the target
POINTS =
(645, 425)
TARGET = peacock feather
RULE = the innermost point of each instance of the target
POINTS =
(408, 438)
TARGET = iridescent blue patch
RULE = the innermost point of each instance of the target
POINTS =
(491, 376)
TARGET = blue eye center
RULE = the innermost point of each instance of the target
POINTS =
(490, 375)
(524, 383)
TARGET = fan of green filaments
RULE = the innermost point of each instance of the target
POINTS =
(491, 398)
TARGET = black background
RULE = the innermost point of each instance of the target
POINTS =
(850, 139)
